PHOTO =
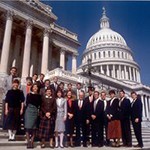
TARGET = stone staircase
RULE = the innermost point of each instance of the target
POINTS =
(21, 139)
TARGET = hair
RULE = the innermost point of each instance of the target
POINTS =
(47, 80)
(96, 92)
(79, 83)
(122, 91)
(133, 92)
(61, 83)
(59, 90)
(103, 92)
(35, 74)
(112, 92)
(91, 88)
(13, 68)
(16, 81)
(29, 78)
(34, 85)
(69, 84)
(42, 74)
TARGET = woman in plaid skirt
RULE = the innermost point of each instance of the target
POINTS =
(47, 118)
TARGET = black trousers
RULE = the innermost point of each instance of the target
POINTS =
(138, 132)
(80, 129)
(97, 133)
(126, 132)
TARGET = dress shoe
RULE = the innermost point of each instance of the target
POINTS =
(61, 146)
(42, 145)
(138, 146)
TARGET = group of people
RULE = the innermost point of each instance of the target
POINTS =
(70, 117)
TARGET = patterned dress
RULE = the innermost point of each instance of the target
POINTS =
(61, 113)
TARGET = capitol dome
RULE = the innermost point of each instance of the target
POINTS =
(110, 54)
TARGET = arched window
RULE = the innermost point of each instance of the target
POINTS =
(99, 54)
(94, 55)
(113, 53)
(104, 54)
(108, 53)
(118, 55)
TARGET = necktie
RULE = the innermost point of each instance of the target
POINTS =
(95, 103)
(80, 104)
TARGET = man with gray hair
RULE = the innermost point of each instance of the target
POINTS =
(80, 118)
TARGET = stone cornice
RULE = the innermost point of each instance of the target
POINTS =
(41, 7)
(64, 46)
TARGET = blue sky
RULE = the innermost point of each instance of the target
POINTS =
(129, 18)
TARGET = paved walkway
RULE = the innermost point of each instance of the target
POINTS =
(79, 148)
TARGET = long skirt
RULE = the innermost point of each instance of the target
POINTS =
(69, 126)
(114, 129)
(31, 115)
(12, 120)
(46, 128)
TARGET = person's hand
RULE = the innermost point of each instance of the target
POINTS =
(6, 112)
(48, 114)
(65, 118)
(87, 121)
(93, 117)
(137, 120)
(21, 111)
(70, 116)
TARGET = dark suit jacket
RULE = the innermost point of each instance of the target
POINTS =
(125, 109)
(113, 109)
(98, 112)
(53, 87)
(89, 106)
(136, 110)
(80, 115)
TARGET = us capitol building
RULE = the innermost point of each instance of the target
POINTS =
(31, 40)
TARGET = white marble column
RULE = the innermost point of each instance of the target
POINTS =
(143, 104)
(34, 58)
(101, 68)
(146, 104)
(126, 74)
(27, 49)
(16, 51)
(6, 43)
(133, 73)
(62, 59)
(114, 72)
(130, 73)
(120, 74)
(44, 66)
(50, 57)
(74, 63)
(107, 70)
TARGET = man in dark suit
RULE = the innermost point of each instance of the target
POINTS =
(40, 82)
(46, 85)
(125, 111)
(97, 121)
(106, 103)
(136, 118)
(80, 119)
(89, 102)
(54, 86)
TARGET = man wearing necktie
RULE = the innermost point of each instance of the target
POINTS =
(97, 117)
(103, 98)
(125, 112)
(136, 118)
(80, 119)
(54, 86)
